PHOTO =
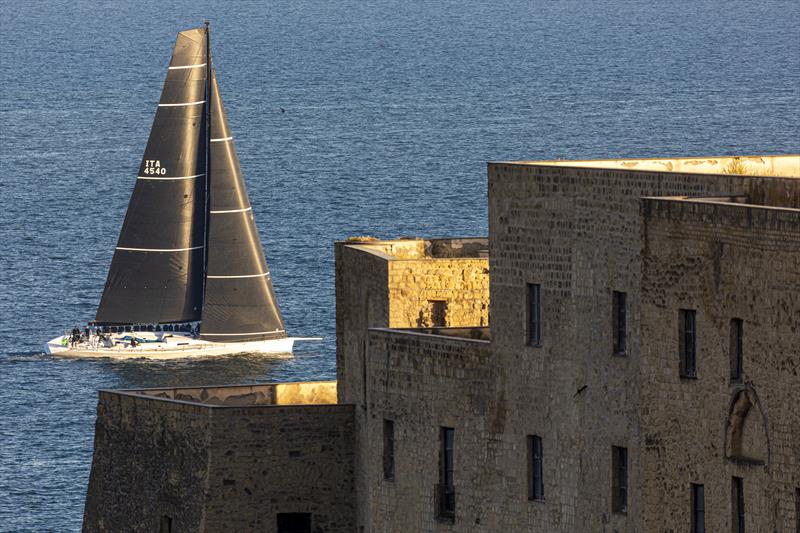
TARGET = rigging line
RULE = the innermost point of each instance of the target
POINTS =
(158, 249)
(231, 211)
(182, 104)
(187, 66)
(172, 178)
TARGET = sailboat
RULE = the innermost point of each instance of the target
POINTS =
(188, 276)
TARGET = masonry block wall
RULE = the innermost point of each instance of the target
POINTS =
(726, 261)
(422, 383)
(390, 284)
(276, 459)
(576, 232)
(150, 461)
(218, 468)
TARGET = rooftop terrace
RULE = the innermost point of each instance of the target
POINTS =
(261, 394)
(783, 166)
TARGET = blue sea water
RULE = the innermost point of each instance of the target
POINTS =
(351, 118)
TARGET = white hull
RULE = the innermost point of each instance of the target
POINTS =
(164, 346)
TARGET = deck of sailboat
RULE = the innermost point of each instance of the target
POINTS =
(164, 346)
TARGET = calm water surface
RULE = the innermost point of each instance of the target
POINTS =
(351, 118)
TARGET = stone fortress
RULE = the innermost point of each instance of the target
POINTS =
(622, 354)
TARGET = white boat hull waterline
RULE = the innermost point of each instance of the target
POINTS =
(172, 346)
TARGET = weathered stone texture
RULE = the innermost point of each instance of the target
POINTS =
(576, 231)
(726, 261)
(211, 467)
(424, 382)
(150, 460)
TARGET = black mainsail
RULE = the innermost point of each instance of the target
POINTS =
(240, 303)
(189, 249)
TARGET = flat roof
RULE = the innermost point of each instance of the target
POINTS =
(782, 166)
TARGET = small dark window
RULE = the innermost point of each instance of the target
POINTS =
(438, 313)
(698, 509)
(619, 312)
(166, 524)
(619, 485)
(388, 450)
(797, 508)
(535, 480)
(534, 314)
(294, 522)
(737, 332)
(687, 331)
(737, 504)
(445, 490)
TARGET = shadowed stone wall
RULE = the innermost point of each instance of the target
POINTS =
(389, 284)
(726, 261)
(577, 232)
(209, 467)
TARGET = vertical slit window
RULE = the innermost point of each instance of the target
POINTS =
(535, 460)
(736, 351)
(797, 508)
(619, 314)
(619, 486)
(388, 450)
(698, 509)
(687, 335)
(445, 490)
(534, 314)
(737, 501)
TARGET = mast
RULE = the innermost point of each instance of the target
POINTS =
(208, 156)
(157, 273)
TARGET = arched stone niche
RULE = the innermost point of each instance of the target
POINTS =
(746, 436)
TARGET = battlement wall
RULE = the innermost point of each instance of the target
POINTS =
(212, 467)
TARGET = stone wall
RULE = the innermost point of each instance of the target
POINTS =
(423, 382)
(293, 459)
(462, 283)
(150, 460)
(217, 468)
(726, 261)
(576, 231)
(390, 284)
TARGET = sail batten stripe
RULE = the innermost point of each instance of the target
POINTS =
(158, 249)
(182, 104)
(172, 178)
(232, 210)
(221, 139)
(242, 276)
(188, 66)
(234, 334)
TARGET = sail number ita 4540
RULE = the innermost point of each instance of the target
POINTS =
(153, 167)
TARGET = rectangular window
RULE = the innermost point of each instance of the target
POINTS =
(535, 479)
(388, 450)
(687, 332)
(737, 501)
(294, 522)
(698, 509)
(445, 490)
(797, 508)
(534, 314)
(619, 312)
(619, 485)
(166, 524)
(737, 332)
(438, 313)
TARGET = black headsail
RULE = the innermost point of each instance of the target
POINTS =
(156, 274)
(240, 302)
